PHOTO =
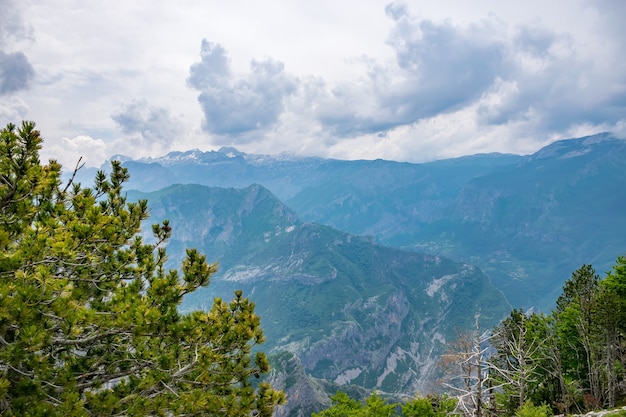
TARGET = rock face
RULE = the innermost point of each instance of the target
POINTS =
(350, 312)
(305, 394)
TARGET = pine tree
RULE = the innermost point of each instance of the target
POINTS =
(576, 327)
(89, 320)
(376, 406)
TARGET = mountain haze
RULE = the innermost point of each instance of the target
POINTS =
(528, 221)
(351, 311)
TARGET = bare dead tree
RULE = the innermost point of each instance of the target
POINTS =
(468, 368)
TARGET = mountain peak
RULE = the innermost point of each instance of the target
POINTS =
(230, 152)
(121, 158)
(570, 148)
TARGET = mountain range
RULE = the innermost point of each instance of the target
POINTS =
(363, 271)
(527, 221)
(352, 311)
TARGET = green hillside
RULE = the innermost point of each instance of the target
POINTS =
(351, 310)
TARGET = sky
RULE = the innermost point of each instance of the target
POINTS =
(350, 79)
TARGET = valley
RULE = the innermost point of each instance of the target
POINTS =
(364, 271)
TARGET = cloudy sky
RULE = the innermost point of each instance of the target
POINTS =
(409, 81)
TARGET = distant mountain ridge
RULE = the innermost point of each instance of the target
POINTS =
(528, 221)
(285, 173)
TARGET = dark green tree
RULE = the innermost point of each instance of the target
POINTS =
(528, 409)
(342, 406)
(572, 360)
(89, 320)
(576, 328)
(375, 406)
(611, 318)
(431, 406)
(615, 285)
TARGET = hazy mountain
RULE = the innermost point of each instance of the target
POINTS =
(528, 221)
(352, 311)
(285, 174)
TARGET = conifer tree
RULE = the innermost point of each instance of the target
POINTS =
(89, 320)
(376, 406)
(577, 328)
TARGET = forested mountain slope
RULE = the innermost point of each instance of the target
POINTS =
(351, 310)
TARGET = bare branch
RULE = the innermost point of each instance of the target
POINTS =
(71, 180)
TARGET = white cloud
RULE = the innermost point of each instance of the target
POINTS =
(16, 72)
(12, 109)
(13, 28)
(70, 150)
(344, 79)
(152, 124)
(235, 105)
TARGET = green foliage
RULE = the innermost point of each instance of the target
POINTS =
(521, 359)
(421, 407)
(582, 334)
(342, 406)
(572, 360)
(531, 410)
(375, 406)
(431, 406)
(89, 320)
(614, 286)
